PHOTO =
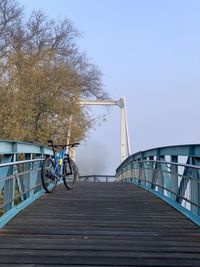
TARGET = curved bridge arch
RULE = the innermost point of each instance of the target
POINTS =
(163, 172)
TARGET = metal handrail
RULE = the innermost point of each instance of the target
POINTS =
(20, 180)
(167, 162)
(19, 162)
(176, 182)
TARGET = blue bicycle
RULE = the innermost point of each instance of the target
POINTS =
(61, 166)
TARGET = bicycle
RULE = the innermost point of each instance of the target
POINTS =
(61, 166)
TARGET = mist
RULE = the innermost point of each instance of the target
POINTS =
(94, 161)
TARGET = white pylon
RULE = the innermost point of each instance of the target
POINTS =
(71, 150)
(125, 149)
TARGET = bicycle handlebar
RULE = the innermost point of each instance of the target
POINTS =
(55, 145)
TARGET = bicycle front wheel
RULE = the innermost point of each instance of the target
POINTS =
(70, 173)
(47, 175)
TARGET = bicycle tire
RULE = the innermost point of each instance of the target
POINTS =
(70, 173)
(49, 183)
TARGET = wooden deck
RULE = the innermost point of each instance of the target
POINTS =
(100, 224)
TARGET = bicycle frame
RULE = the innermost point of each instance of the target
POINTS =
(59, 158)
(59, 162)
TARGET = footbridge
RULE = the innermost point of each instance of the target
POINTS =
(148, 214)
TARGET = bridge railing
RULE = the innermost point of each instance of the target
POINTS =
(98, 178)
(20, 176)
(172, 173)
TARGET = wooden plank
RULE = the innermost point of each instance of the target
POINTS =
(100, 224)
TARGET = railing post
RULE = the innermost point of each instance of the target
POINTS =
(27, 177)
(184, 182)
(155, 176)
(166, 176)
(195, 187)
(36, 176)
(174, 177)
(144, 171)
(4, 171)
(160, 179)
(9, 185)
(150, 171)
(132, 172)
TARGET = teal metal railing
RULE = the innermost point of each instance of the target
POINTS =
(98, 178)
(172, 173)
(20, 176)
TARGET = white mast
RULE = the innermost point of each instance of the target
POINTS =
(125, 149)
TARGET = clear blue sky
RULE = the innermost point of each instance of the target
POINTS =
(149, 52)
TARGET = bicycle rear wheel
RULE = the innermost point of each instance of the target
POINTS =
(47, 175)
(70, 173)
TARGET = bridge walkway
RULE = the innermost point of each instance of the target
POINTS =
(100, 224)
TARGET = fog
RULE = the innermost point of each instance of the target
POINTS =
(92, 158)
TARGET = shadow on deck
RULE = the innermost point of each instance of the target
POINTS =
(100, 224)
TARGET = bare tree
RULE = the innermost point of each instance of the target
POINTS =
(43, 77)
(10, 14)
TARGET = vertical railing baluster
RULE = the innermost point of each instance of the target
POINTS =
(174, 177)
(150, 172)
(9, 186)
